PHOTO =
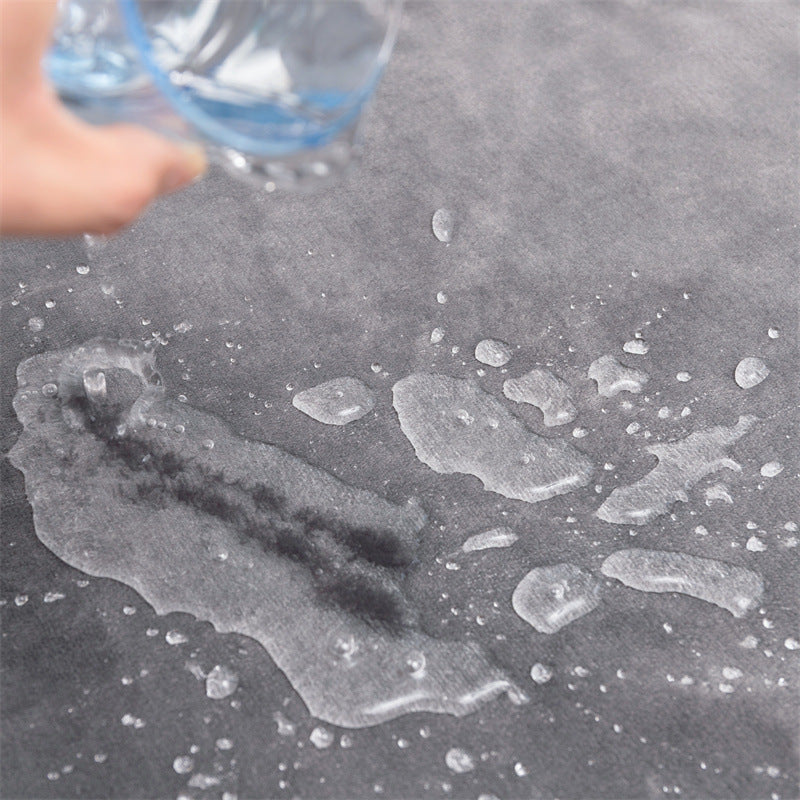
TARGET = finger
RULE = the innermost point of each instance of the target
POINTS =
(69, 177)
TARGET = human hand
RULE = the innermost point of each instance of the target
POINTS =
(59, 175)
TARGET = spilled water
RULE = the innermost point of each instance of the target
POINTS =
(680, 466)
(548, 393)
(336, 402)
(733, 588)
(612, 377)
(548, 598)
(455, 426)
(127, 484)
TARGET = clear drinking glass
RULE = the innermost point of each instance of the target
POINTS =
(275, 89)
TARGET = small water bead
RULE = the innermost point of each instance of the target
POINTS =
(731, 673)
(207, 444)
(51, 597)
(493, 352)
(634, 427)
(496, 537)
(82, 269)
(346, 741)
(20, 600)
(345, 646)
(437, 334)
(771, 469)
(791, 644)
(285, 726)
(773, 333)
(581, 672)
(459, 760)
(755, 545)
(151, 632)
(223, 744)
(636, 346)
(403, 744)
(749, 642)
(221, 682)
(442, 224)
(100, 758)
(183, 765)
(415, 664)
(750, 372)
(49, 303)
(520, 770)
(36, 324)
(176, 637)
(376, 367)
(321, 738)
(683, 377)
(541, 673)
(726, 688)
(50, 390)
(664, 412)
(579, 433)
(441, 298)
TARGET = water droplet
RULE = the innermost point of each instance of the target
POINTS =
(50, 390)
(548, 598)
(433, 410)
(496, 537)
(415, 664)
(733, 588)
(336, 402)
(345, 647)
(634, 427)
(579, 433)
(100, 758)
(441, 298)
(49, 303)
(773, 333)
(726, 688)
(346, 741)
(82, 269)
(207, 444)
(183, 765)
(551, 395)
(176, 637)
(681, 465)
(442, 224)
(749, 642)
(51, 597)
(321, 737)
(520, 770)
(664, 412)
(36, 324)
(731, 673)
(541, 673)
(493, 352)
(437, 334)
(20, 600)
(151, 632)
(459, 761)
(612, 377)
(791, 644)
(683, 377)
(221, 682)
(771, 469)
(755, 545)
(636, 346)
(750, 372)
(285, 726)
(223, 744)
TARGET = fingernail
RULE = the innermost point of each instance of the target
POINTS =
(193, 165)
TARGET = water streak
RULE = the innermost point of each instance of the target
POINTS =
(680, 466)
(733, 588)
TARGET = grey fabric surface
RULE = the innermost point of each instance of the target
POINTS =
(577, 143)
